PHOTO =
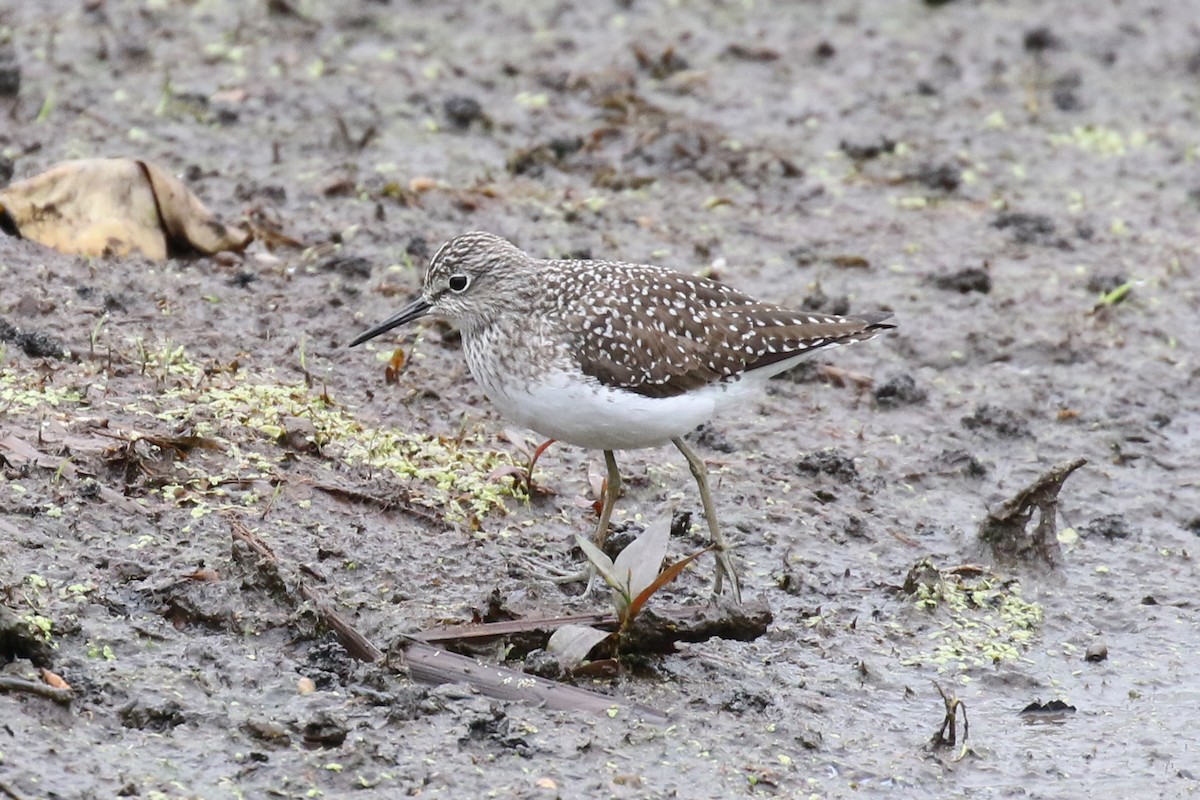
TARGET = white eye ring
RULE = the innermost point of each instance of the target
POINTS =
(459, 283)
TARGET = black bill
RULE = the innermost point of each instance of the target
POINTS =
(414, 310)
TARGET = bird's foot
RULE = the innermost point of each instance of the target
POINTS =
(547, 571)
(590, 575)
(725, 569)
(541, 568)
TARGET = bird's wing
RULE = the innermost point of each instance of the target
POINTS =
(664, 346)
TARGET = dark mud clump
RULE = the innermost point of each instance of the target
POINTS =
(831, 462)
(34, 344)
(1001, 421)
(1110, 526)
(899, 390)
(1026, 228)
(966, 280)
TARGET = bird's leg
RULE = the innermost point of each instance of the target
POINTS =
(724, 560)
(612, 490)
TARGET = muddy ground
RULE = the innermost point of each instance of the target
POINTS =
(991, 172)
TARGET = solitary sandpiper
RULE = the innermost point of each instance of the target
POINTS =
(614, 356)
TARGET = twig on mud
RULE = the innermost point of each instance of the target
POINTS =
(384, 503)
(428, 664)
(431, 665)
(277, 486)
(657, 630)
(900, 537)
(63, 696)
(355, 643)
(142, 630)
(947, 735)
(842, 377)
(8, 790)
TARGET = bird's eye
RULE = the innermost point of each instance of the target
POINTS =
(459, 283)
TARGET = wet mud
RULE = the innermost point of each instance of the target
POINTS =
(1016, 182)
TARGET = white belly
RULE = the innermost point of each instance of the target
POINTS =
(595, 416)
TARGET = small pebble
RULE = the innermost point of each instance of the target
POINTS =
(462, 111)
(10, 73)
(1039, 40)
(1096, 653)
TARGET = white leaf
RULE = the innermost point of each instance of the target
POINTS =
(600, 561)
(572, 643)
(520, 441)
(639, 563)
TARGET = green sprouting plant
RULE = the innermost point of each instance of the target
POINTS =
(634, 577)
(95, 335)
(1117, 295)
(41, 625)
(167, 363)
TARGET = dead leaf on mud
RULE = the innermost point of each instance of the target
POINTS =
(55, 680)
(114, 207)
(17, 451)
(391, 374)
(204, 576)
(947, 735)
(1055, 709)
(1004, 529)
(179, 444)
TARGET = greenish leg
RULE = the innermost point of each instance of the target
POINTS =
(612, 491)
(724, 559)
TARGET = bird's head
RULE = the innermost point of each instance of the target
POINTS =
(464, 282)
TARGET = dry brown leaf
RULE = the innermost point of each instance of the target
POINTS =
(421, 184)
(205, 576)
(114, 207)
(230, 96)
(395, 366)
(52, 679)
